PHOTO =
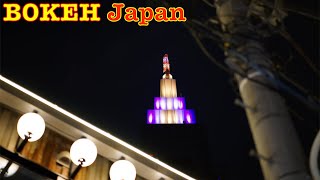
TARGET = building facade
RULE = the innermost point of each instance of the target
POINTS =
(43, 159)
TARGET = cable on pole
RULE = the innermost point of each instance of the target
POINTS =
(302, 14)
(296, 85)
(299, 12)
(206, 52)
(295, 45)
(277, 84)
(208, 3)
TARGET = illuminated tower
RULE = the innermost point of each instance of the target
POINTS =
(168, 108)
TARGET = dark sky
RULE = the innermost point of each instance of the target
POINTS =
(108, 73)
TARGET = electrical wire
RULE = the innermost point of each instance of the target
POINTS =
(295, 45)
(303, 13)
(208, 3)
(305, 98)
(308, 15)
(219, 65)
(203, 34)
(214, 32)
(296, 85)
(206, 52)
(278, 85)
(222, 67)
(294, 113)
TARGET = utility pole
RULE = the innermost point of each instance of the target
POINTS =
(277, 145)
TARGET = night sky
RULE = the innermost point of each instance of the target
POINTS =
(108, 74)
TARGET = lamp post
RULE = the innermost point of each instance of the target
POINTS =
(122, 170)
(11, 170)
(30, 127)
(83, 153)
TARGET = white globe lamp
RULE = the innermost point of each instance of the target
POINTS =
(12, 169)
(83, 152)
(31, 125)
(122, 170)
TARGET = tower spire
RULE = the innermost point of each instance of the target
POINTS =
(166, 68)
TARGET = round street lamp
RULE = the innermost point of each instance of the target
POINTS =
(122, 170)
(83, 152)
(11, 170)
(31, 126)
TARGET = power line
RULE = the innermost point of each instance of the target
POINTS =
(294, 83)
(205, 51)
(311, 102)
(219, 65)
(303, 14)
(296, 46)
(308, 15)
(214, 32)
(208, 3)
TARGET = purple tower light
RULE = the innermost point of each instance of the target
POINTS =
(168, 108)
